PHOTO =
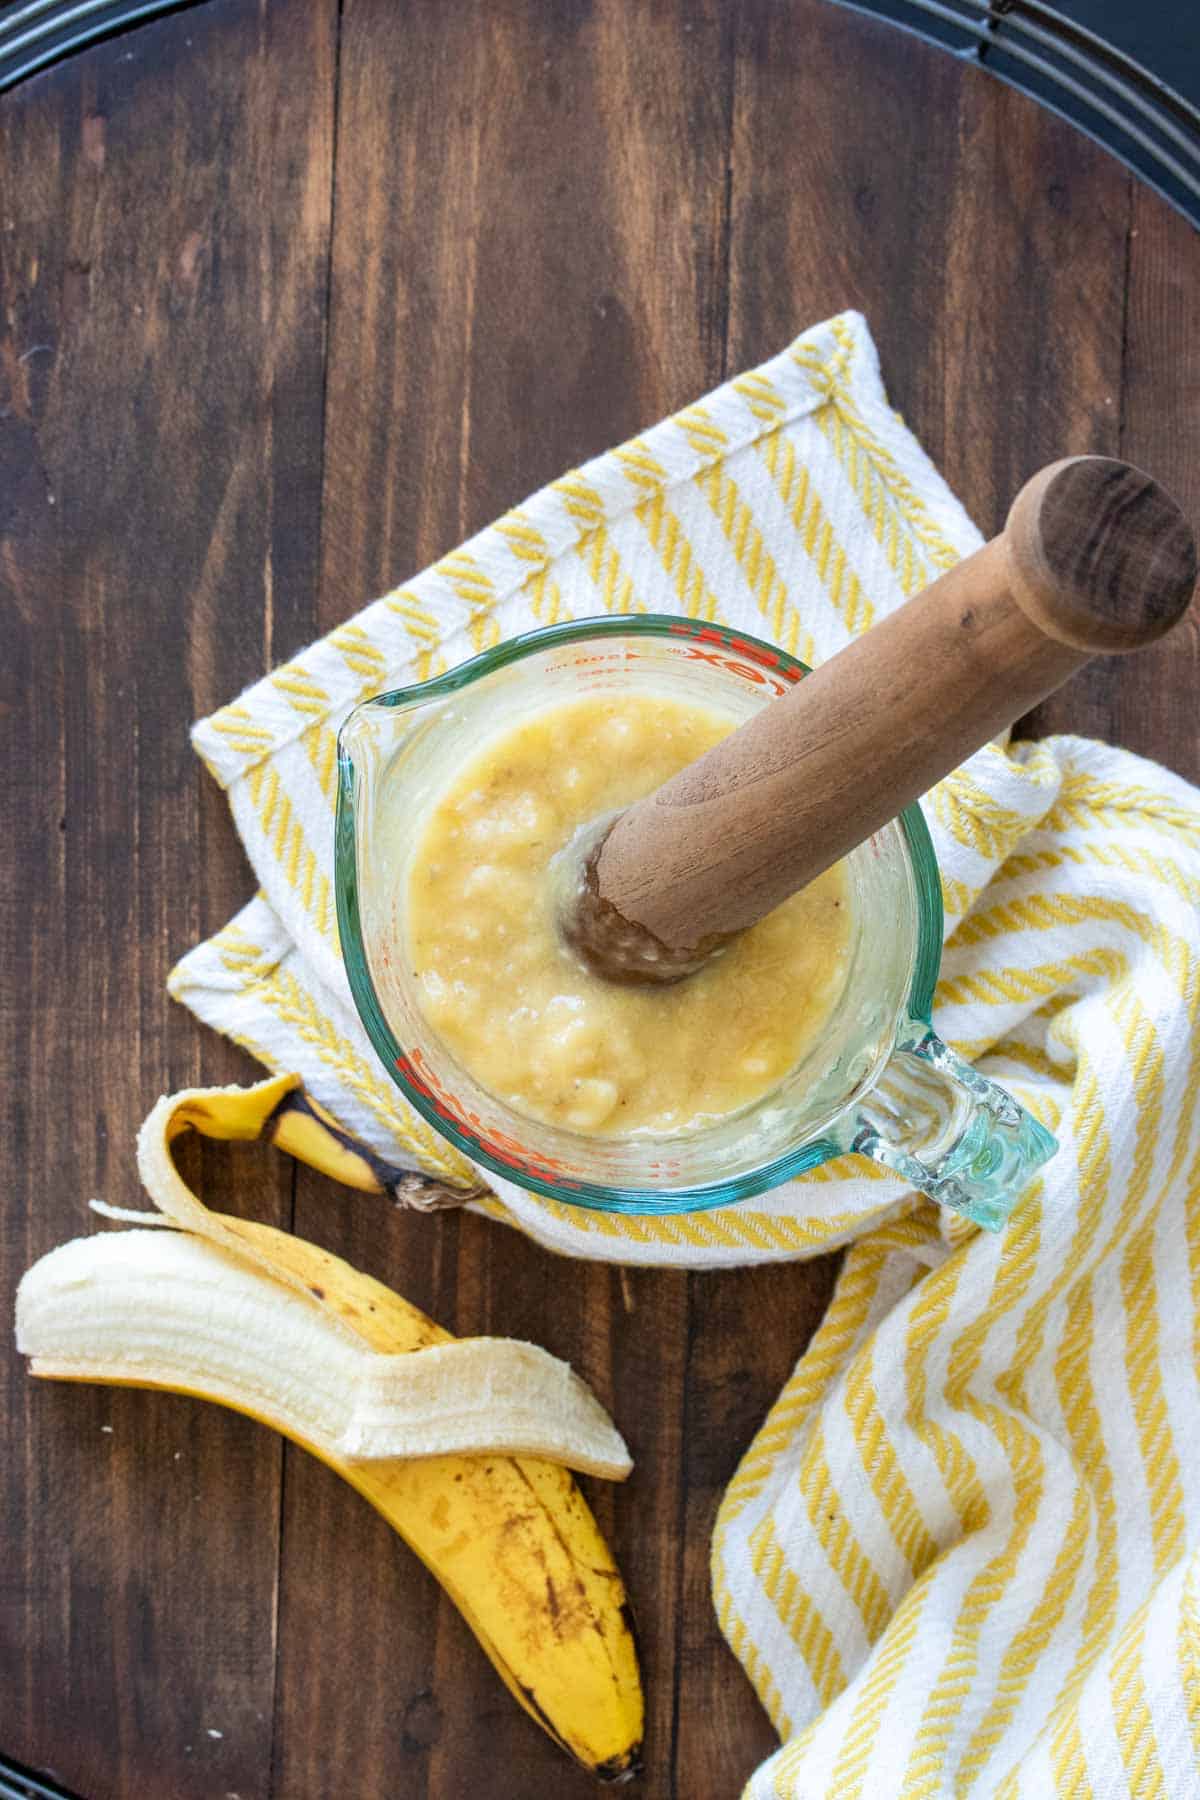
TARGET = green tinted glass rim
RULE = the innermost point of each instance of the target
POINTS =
(391, 1052)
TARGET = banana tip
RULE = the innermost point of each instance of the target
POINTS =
(626, 1767)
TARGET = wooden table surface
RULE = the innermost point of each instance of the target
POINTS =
(294, 296)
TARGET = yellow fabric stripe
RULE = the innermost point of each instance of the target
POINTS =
(1187, 1111)
(891, 527)
(817, 1368)
(701, 430)
(762, 397)
(1142, 1358)
(1086, 801)
(957, 1678)
(602, 561)
(1078, 1401)
(1030, 1057)
(888, 1482)
(747, 1652)
(236, 951)
(545, 597)
(1131, 1711)
(1001, 987)
(798, 492)
(484, 632)
(796, 1234)
(678, 559)
(956, 896)
(299, 689)
(824, 371)
(237, 724)
(916, 1234)
(1015, 1271)
(1068, 1763)
(281, 827)
(1029, 1644)
(320, 746)
(938, 547)
(471, 583)
(1137, 859)
(640, 465)
(892, 1654)
(837, 1538)
(582, 502)
(1093, 1155)
(927, 1321)
(975, 819)
(241, 955)
(756, 563)
(362, 657)
(430, 663)
(798, 1613)
(1048, 912)
(737, 1227)
(1189, 1615)
(419, 621)
(1142, 1361)
(474, 587)
(927, 1773)
(523, 539)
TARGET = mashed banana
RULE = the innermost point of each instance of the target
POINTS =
(516, 1006)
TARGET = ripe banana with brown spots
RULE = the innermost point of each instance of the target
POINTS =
(274, 1326)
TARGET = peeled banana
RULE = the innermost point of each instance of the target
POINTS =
(274, 1326)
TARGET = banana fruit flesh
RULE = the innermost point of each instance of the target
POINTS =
(276, 1327)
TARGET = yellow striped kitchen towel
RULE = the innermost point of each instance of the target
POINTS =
(958, 1556)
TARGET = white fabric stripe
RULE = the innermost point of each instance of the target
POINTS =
(1176, 1354)
(805, 591)
(913, 1451)
(1164, 1686)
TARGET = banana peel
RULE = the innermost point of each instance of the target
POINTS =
(281, 1112)
(238, 1312)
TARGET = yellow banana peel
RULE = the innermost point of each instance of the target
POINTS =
(274, 1326)
(282, 1112)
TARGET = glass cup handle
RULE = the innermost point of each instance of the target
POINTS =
(951, 1132)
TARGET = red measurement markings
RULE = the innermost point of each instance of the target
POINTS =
(515, 1156)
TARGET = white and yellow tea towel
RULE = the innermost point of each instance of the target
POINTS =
(958, 1556)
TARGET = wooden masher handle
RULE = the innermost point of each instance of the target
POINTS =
(1095, 556)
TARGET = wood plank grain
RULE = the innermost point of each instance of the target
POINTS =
(983, 239)
(1030, 300)
(162, 270)
(748, 1327)
(534, 210)
(1149, 702)
(838, 185)
(527, 268)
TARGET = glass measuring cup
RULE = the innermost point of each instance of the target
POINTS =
(879, 1081)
